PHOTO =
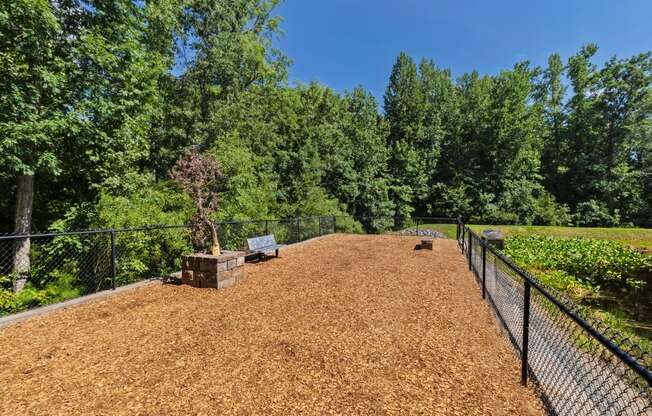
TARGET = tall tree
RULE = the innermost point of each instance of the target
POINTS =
(551, 93)
(32, 102)
(404, 110)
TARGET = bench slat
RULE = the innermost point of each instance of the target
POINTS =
(263, 243)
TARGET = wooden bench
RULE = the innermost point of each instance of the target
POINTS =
(263, 245)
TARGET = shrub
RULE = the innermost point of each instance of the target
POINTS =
(593, 262)
(58, 290)
(548, 212)
(595, 214)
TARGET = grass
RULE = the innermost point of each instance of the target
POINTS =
(615, 309)
(449, 230)
(634, 237)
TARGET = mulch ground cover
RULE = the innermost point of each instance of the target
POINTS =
(344, 325)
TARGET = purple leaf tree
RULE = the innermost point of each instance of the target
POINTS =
(199, 175)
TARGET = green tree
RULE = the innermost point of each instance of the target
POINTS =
(404, 111)
(550, 95)
(32, 102)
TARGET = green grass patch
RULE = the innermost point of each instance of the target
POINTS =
(449, 230)
(607, 278)
(633, 237)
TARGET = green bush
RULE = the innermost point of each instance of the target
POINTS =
(60, 289)
(595, 214)
(595, 263)
(548, 212)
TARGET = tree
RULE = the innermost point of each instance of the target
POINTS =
(550, 95)
(200, 176)
(404, 111)
(366, 132)
(32, 76)
(441, 129)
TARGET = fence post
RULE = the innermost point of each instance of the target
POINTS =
(334, 224)
(526, 332)
(266, 227)
(298, 229)
(113, 269)
(484, 267)
(470, 249)
(417, 226)
(320, 225)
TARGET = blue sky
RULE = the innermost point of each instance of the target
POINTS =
(345, 43)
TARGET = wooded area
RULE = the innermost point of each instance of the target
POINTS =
(98, 99)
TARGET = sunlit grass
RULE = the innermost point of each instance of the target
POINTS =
(449, 230)
(634, 237)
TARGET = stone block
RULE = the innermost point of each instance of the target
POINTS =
(228, 274)
(204, 270)
(223, 284)
(494, 237)
(209, 264)
(187, 277)
(232, 264)
(238, 273)
(188, 262)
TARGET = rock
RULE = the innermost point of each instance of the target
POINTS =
(425, 232)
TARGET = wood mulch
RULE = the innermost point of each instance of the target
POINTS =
(344, 325)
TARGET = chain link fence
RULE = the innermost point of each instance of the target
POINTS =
(60, 266)
(579, 366)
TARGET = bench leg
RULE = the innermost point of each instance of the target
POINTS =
(276, 252)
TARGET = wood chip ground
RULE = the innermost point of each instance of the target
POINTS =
(344, 325)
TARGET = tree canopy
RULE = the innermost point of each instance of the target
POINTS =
(99, 99)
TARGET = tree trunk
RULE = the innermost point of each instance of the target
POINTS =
(215, 244)
(23, 225)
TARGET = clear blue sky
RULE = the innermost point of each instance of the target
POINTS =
(345, 43)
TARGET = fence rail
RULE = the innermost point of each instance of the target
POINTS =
(62, 265)
(579, 366)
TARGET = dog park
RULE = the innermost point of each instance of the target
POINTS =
(279, 207)
(336, 323)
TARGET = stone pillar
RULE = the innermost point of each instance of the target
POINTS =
(495, 238)
(205, 270)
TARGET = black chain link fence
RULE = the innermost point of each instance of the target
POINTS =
(60, 266)
(579, 366)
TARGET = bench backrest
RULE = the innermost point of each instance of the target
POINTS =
(261, 242)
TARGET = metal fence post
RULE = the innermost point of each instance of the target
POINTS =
(526, 332)
(463, 236)
(266, 227)
(417, 226)
(470, 249)
(298, 229)
(319, 225)
(334, 224)
(113, 268)
(484, 267)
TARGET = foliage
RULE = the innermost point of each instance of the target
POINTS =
(595, 214)
(32, 93)
(98, 100)
(596, 263)
(605, 277)
(61, 289)
(200, 176)
(632, 237)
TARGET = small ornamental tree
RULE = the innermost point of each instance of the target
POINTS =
(199, 175)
